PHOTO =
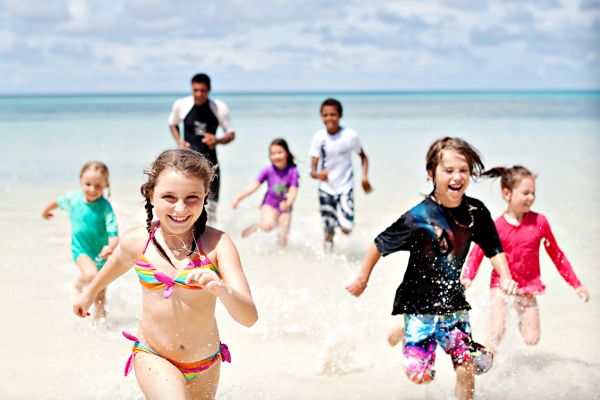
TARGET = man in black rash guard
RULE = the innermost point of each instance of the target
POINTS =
(201, 117)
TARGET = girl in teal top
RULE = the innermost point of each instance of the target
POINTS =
(93, 226)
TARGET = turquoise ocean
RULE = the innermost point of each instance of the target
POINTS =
(313, 340)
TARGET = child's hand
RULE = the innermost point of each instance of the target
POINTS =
(105, 252)
(583, 293)
(210, 140)
(322, 175)
(235, 203)
(184, 144)
(366, 185)
(46, 214)
(285, 205)
(207, 280)
(82, 304)
(466, 282)
(356, 287)
(508, 286)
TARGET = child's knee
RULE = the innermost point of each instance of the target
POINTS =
(267, 226)
(87, 277)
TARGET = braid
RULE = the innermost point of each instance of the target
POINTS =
(200, 225)
(162, 251)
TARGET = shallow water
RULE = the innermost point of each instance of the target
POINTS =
(312, 340)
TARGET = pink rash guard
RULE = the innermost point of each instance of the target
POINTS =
(522, 248)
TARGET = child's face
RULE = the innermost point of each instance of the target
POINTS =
(522, 196)
(331, 118)
(178, 200)
(278, 156)
(452, 176)
(93, 184)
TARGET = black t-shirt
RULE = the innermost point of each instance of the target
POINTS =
(198, 121)
(438, 239)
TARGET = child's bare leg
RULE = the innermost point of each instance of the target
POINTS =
(465, 381)
(396, 333)
(529, 319)
(496, 324)
(99, 302)
(87, 269)
(268, 221)
(285, 220)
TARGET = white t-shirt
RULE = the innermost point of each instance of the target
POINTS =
(335, 154)
(182, 107)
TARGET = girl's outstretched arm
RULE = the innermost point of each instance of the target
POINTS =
(47, 211)
(122, 260)
(359, 284)
(233, 289)
(500, 264)
(251, 188)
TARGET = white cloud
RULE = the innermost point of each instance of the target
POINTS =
(311, 45)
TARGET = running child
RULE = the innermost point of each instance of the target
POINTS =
(521, 232)
(184, 266)
(437, 233)
(282, 187)
(333, 146)
(93, 226)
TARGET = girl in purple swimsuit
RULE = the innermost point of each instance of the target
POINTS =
(282, 187)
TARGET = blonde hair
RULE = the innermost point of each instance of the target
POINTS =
(97, 166)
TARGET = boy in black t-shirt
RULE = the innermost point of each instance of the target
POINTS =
(438, 233)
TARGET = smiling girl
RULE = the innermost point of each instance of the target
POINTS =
(521, 232)
(437, 233)
(282, 187)
(93, 226)
(183, 266)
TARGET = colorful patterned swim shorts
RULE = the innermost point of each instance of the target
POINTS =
(452, 332)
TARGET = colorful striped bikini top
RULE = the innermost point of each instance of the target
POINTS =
(152, 279)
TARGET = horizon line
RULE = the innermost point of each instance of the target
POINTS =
(315, 92)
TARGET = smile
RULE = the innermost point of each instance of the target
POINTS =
(178, 219)
(455, 188)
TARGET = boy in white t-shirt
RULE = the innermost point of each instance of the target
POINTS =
(334, 145)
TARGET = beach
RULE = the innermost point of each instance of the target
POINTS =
(312, 340)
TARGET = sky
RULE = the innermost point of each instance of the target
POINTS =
(99, 46)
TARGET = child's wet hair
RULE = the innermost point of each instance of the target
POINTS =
(332, 102)
(189, 163)
(509, 177)
(470, 153)
(281, 142)
(97, 166)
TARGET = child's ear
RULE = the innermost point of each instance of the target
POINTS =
(430, 175)
(506, 194)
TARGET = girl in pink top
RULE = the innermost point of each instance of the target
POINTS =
(521, 232)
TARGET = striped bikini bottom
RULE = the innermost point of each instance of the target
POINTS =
(189, 370)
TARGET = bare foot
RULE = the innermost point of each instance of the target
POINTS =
(282, 241)
(249, 230)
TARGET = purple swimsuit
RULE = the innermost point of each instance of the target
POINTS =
(279, 182)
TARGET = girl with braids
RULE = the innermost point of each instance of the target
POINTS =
(183, 266)
(521, 232)
(438, 232)
(93, 226)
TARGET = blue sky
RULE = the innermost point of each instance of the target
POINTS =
(66, 46)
